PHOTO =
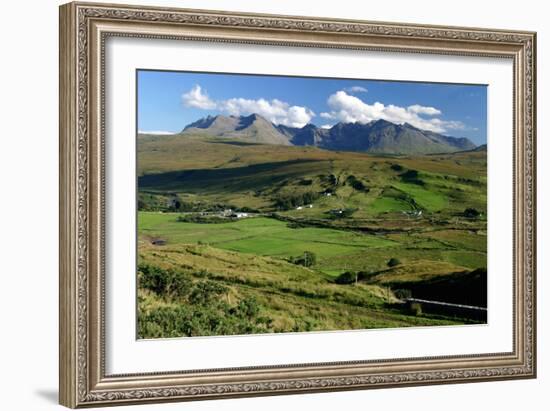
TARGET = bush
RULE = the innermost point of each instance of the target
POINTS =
(348, 277)
(247, 308)
(216, 318)
(330, 179)
(198, 219)
(392, 262)
(411, 176)
(356, 184)
(165, 283)
(308, 259)
(290, 201)
(194, 307)
(206, 292)
(471, 213)
(403, 294)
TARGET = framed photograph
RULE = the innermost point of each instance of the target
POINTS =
(259, 204)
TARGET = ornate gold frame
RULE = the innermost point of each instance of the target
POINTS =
(83, 30)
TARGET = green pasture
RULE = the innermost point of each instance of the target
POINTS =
(260, 236)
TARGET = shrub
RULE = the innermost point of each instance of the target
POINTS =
(403, 294)
(356, 184)
(330, 179)
(206, 292)
(307, 259)
(471, 213)
(165, 283)
(392, 262)
(198, 219)
(199, 309)
(287, 202)
(348, 277)
(247, 308)
(217, 318)
(411, 176)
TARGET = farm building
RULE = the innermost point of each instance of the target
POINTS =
(239, 215)
(226, 213)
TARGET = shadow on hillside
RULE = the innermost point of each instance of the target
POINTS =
(229, 179)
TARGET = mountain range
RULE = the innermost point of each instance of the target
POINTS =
(379, 136)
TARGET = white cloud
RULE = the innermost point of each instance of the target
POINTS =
(156, 132)
(356, 89)
(276, 111)
(196, 98)
(350, 109)
(429, 111)
(327, 126)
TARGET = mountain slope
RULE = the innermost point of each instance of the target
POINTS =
(310, 135)
(253, 128)
(382, 136)
(378, 136)
(289, 132)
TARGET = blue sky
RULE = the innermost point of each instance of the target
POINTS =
(168, 101)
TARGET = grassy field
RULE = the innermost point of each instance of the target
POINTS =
(260, 236)
(241, 238)
(337, 250)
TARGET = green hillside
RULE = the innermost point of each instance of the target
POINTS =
(241, 293)
(304, 219)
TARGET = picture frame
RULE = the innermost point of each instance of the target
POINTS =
(85, 28)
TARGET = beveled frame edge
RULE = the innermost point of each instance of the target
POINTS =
(83, 27)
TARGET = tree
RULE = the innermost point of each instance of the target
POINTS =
(309, 259)
(347, 277)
